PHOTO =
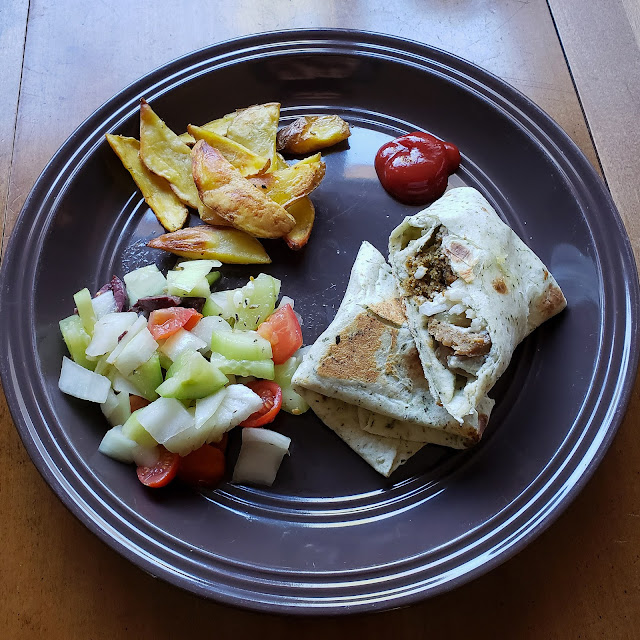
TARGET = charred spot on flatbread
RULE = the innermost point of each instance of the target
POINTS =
(391, 310)
(551, 302)
(500, 285)
(354, 356)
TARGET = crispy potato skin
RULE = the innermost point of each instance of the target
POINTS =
(230, 246)
(304, 213)
(293, 183)
(232, 197)
(312, 133)
(157, 192)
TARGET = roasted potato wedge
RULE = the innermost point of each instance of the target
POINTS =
(228, 195)
(312, 133)
(256, 129)
(163, 153)
(290, 184)
(304, 213)
(245, 161)
(218, 126)
(230, 246)
(157, 192)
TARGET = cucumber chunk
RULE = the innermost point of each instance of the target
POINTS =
(192, 376)
(241, 345)
(85, 310)
(255, 302)
(144, 283)
(133, 430)
(77, 341)
(245, 368)
(147, 377)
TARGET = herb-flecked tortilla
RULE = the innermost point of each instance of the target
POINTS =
(367, 358)
(472, 292)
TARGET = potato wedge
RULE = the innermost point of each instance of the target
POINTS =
(256, 129)
(278, 163)
(227, 194)
(312, 133)
(230, 246)
(290, 184)
(304, 213)
(245, 161)
(218, 126)
(157, 192)
(163, 153)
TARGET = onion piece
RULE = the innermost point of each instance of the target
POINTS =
(141, 347)
(144, 282)
(117, 446)
(81, 383)
(116, 408)
(205, 328)
(135, 328)
(164, 418)
(180, 342)
(106, 332)
(260, 456)
(238, 404)
(103, 304)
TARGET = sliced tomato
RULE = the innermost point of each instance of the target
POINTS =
(283, 331)
(136, 402)
(165, 322)
(203, 467)
(162, 472)
(271, 395)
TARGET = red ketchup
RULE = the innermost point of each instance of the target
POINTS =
(414, 168)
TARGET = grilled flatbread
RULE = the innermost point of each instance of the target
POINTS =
(472, 292)
(367, 359)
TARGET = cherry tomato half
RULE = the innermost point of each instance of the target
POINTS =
(283, 331)
(162, 472)
(271, 395)
(165, 322)
(203, 467)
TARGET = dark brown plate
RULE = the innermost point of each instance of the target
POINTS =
(332, 536)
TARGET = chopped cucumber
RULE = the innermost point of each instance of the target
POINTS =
(147, 377)
(77, 341)
(211, 308)
(284, 372)
(144, 282)
(213, 277)
(255, 302)
(256, 368)
(85, 310)
(189, 279)
(292, 402)
(241, 345)
(133, 430)
(192, 376)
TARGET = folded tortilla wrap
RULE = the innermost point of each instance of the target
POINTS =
(385, 455)
(472, 291)
(367, 358)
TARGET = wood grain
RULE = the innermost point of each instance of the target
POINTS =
(13, 28)
(57, 580)
(608, 81)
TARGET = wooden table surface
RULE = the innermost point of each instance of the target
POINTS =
(580, 61)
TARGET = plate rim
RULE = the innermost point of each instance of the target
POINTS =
(162, 73)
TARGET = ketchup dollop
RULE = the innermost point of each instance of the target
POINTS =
(414, 168)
